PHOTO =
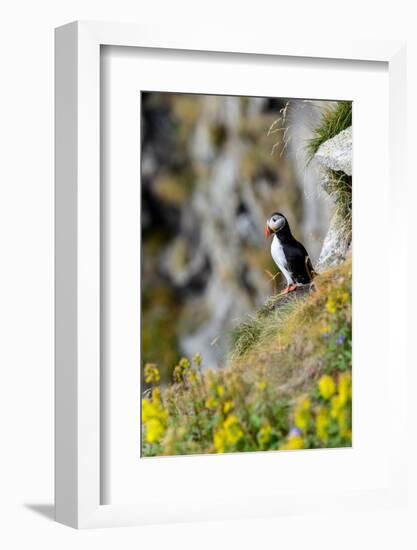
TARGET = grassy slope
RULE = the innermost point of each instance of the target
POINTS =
(290, 346)
(256, 402)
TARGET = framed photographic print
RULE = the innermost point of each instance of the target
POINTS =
(223, 215)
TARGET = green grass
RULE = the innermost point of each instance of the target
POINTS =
(247, 333)
(334, 120)
(288, 342)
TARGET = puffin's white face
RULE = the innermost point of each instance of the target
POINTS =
(274, 224)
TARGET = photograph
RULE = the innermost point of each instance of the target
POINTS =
(245, 275)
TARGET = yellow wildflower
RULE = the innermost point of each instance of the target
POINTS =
(232, 429)
(345, 388)
(211, 403)
(322, 424)
(192, 376)
(197, 360)
(184, 363)
(327, 387)
(219, 441)
(228, 406)
(342, 420)
(228, 435)
(154, 417)
(264, 434)
(293, 443)
(261, 385)
(180, 371)
(147, 410)
(336, 406)
(220, 390)
(302, 414)
(177, 374)
(326, 329)
(151, 372)
(156, 395)
(331, 306)
(154, 430)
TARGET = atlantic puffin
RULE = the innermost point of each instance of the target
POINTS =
(290, 255)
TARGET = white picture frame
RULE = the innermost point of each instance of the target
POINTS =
(78, 426)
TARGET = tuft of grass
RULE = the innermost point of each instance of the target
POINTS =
(334, 120)
(246, 334)
(269, 317)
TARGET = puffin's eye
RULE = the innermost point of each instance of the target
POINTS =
(274, 219)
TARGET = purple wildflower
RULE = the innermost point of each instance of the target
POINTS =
(341, 340)
(295, 432)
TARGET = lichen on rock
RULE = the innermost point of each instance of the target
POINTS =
(335, 247)
(336, 153)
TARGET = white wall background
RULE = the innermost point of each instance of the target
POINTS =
(26, 269)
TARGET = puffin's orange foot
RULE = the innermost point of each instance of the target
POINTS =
(289, 288)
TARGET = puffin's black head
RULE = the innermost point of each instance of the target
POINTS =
(275, 223)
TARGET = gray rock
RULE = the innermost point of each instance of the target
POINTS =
(336, 153)
(325, 181)
(335, 246)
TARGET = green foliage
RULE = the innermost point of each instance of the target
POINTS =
(289, 388)
(246, 334)
(264, 323)
(334, 120)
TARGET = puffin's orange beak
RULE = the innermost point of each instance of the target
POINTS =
(267, 231)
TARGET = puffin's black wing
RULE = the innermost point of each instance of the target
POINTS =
(299, 262)
(310, 268)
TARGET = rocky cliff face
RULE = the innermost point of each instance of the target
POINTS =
(336, 153)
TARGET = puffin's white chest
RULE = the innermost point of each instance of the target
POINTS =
(278, 255)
